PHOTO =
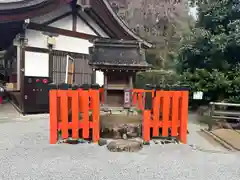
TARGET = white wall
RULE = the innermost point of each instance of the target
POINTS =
(82, 27)
(65, 23)
(99, 78)
(63, 43)
(36, 39)
(36, 64)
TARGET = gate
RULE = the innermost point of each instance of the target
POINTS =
(82, 71)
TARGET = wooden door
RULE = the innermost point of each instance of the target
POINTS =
(69, 79)
(82, 71)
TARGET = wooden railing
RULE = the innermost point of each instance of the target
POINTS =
(222, 113)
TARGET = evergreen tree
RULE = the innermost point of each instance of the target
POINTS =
(209, 56)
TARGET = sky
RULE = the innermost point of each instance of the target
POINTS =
(193, 12)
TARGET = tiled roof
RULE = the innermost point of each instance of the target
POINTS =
(17, 4)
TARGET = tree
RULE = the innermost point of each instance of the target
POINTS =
(209, 56)
(161, 22)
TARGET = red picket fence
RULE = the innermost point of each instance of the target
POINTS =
(74, 102)
(101, 90)
(169, 110)
(138, 97)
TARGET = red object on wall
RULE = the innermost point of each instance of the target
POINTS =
(45, 81)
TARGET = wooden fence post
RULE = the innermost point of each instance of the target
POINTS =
(134, 98)
(156, 113)
(85, 113)
(147, 114)
(166, 108)
(184, 117)
(63, 94)
(53, 116)
(75, 113)
(95, 98)
(175, 113)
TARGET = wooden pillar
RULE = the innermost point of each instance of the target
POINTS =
(131, 81)
(131, 87)
(105, 87)
(50, 63)
(18, 67)
(22, 74)
(93, 77)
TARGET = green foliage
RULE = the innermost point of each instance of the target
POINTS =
(203, 80)
(156, 77)
(209, 56)
(153, 58)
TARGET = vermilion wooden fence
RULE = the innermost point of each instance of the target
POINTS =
(79, 103)
(169, 110)
(101, 91)
(138, 97)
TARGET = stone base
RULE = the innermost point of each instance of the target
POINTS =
(120, 126)
(125, 145)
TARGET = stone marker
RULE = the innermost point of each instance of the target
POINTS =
(102, 142)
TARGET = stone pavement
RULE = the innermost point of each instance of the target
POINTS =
(8, 114)
(227, 136)
(25, 153)
(196, 138)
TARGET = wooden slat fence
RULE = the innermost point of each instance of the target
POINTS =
(79, 103)
(169, 111)
(138, 97)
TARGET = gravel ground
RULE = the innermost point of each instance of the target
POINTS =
(25, 153)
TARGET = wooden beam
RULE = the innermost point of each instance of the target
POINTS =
(85, 21)
(36, 49)
(74, 25)
(32, 12)
(58, 18)
(44, 28)
(102, 24)
(74, 16)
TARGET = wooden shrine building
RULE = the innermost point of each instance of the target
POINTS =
(119, 60)
(43, 36)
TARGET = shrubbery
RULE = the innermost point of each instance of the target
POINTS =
(156, 77)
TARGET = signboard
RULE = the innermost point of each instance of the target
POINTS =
(36, 64)
(69, 78)
(127, 98)
(198, 95)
